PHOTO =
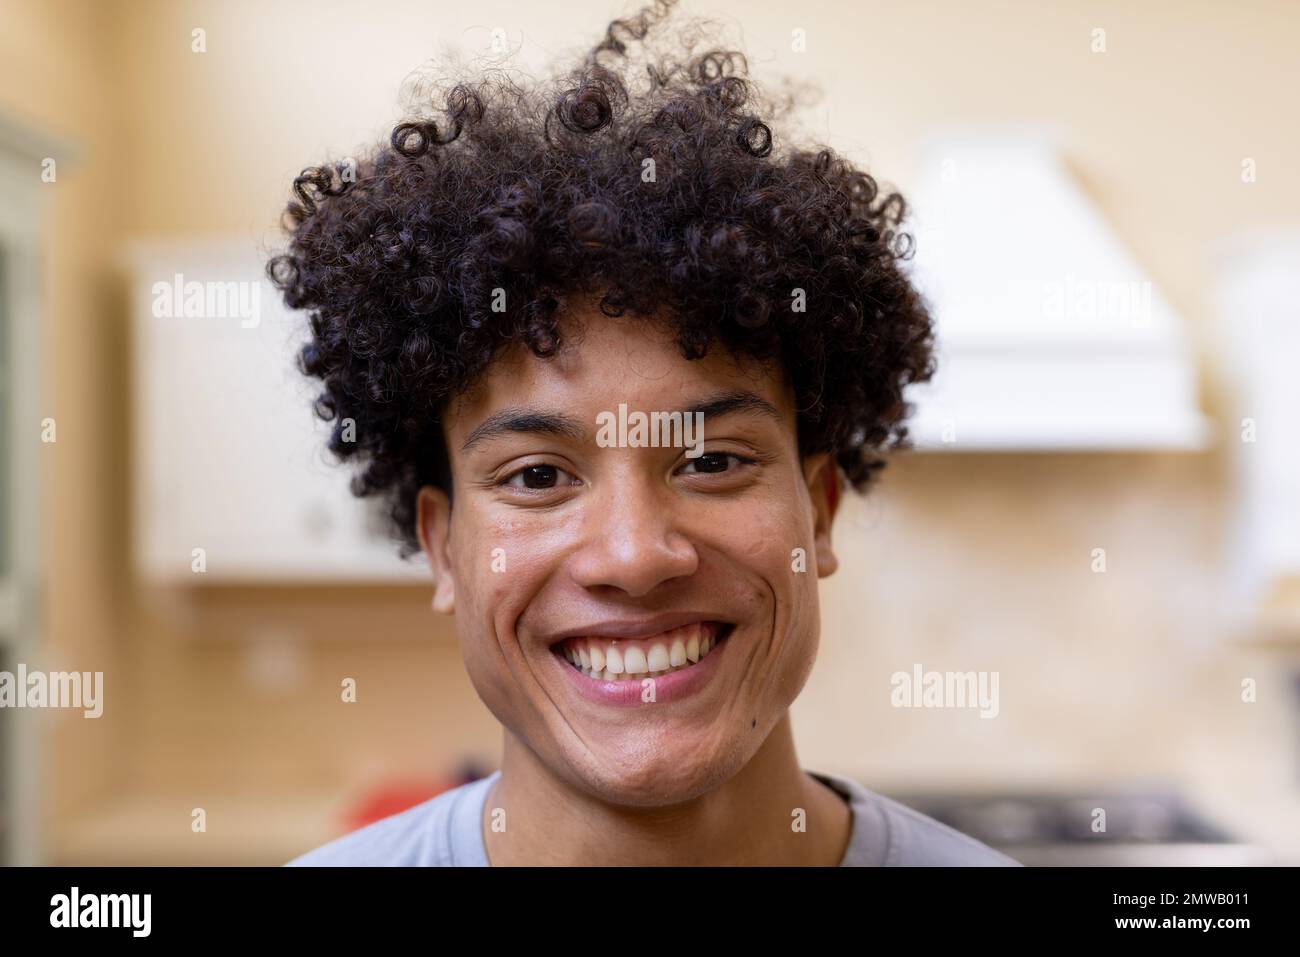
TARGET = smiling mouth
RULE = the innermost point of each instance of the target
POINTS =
(632, 659)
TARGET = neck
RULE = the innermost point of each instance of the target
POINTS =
(747, 820)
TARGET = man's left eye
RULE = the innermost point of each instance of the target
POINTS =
(715, 462)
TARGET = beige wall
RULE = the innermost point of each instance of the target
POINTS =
(963, 562)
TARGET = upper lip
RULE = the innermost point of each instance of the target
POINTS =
(637, 627)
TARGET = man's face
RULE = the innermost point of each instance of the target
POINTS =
(555, 535)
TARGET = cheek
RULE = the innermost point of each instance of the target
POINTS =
(771, 540)
(495, 561)
(500, 562)
(776, 548)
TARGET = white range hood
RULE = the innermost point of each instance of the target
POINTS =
(1050, 334)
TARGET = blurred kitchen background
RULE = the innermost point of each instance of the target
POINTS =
(1104, 507)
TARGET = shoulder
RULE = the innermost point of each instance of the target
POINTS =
(444, 831)
(887, 833)
(921, 841)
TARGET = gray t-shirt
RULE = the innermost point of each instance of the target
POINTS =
(446, 831)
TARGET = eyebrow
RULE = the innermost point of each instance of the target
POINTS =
(541, 422)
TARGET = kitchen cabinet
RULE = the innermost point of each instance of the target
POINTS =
(232, 482)
(1258, 338)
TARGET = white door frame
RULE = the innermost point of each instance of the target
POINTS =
(23, 200)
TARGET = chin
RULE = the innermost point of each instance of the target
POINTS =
(655, 776)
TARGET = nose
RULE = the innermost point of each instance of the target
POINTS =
(632, 541)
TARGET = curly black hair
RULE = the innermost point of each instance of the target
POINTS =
(669, 198)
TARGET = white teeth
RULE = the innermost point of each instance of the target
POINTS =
(677, 656)
(607, 660)
(657, 660)
(634, 662)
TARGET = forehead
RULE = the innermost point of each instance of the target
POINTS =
(605, 361)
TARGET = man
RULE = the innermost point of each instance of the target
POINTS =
(521, 313)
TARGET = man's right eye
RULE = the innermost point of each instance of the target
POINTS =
(535, 477)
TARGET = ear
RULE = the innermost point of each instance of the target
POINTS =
(433, 525)
(822, 474)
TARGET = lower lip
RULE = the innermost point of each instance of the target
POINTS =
(670, 687)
